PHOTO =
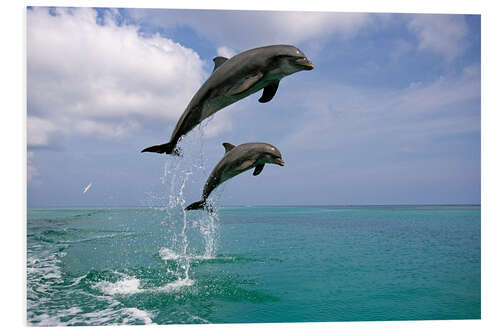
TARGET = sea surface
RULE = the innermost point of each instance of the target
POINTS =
(263, 264)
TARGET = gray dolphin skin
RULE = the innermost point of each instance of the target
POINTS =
(235, 161)
(233, 79)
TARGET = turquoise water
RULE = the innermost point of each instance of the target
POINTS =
(143, 265)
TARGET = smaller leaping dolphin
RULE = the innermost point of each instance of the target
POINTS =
(234, 79)
(235, 161)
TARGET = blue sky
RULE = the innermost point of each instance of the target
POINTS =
(390, 114)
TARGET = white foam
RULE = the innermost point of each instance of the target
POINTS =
(53, 275)
(78, 280)
(42, 271)
(44, 320)
(176, 285)
(53, 320)
(167, 254)
(137, 314)
(196, 319)
(112, 315)
(128, 285)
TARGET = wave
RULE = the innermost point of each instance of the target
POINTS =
(56, 319)
(50, 306)
(116, 314)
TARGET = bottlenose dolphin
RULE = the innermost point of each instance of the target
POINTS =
(235, 161)
(234, 79)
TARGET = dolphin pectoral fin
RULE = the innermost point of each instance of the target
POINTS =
(269, 92)
(245, 165)
(258, 169)
(228, 146)
(247, 84)
(218, 61)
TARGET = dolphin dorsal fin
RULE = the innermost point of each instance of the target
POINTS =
(228, 146)
(218, 61)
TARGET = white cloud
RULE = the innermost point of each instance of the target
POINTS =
(225, 51)
(253, 28)
(102, 79)
(441, 34)
(38, 131)
(414, 115)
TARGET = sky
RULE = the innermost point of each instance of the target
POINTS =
(391, 113)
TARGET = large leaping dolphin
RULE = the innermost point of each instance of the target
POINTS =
(235, 161)
(234, 79)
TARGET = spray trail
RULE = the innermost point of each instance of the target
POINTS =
(188, 235)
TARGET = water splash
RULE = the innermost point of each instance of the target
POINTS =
(187, 235)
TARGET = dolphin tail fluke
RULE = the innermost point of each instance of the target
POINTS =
(166, 148)
(196, 205)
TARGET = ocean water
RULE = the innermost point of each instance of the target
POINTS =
(159, 265)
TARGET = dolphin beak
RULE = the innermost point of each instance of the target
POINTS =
(304, 62)
(280, 161)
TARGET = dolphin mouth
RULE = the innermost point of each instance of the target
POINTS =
(305, 63)
(280, 161)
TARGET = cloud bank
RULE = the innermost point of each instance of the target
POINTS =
(441, 34)
(249, 28)
(89, 76)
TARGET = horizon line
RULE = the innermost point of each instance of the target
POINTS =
(261, 205)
